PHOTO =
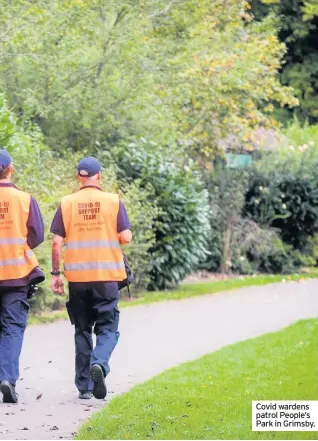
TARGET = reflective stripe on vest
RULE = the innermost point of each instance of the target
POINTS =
(94, 266)
(93, 252)
(15, 241)
(9, 262)
(92, 244)
(16, 258)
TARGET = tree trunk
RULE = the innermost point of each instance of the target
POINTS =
(226, 251)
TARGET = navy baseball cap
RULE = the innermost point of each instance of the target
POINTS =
(5, 160)
(89, 167)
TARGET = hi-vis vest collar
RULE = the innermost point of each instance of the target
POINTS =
(93, 252)
(16, 258)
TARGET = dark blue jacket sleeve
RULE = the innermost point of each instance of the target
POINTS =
(123, 222)
(35, 225)
(57, 226)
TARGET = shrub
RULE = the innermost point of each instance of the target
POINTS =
(182, 221)
(142, 212)
(283, 194)
(226, 198)
(238, 243)
(281, 259)
(286, 202)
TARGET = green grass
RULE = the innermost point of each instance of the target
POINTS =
(186, 291)
(211, 398)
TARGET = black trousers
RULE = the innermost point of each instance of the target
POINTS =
(93, 305)
(14, 309)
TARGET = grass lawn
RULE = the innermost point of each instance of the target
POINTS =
(186, 291)
(210, 398)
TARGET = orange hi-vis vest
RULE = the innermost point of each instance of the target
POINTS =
(93, 252)
(16, 257)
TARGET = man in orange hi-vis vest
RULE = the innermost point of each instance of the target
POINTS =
(21, 230)
(93, 225)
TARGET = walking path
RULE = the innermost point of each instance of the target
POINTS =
(153, 338)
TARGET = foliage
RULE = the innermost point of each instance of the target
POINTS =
(143, 212)
(188, 73)
(311, 249)
(283, 194)
(288, 204)
(260, 250)
(297, 21)
(181, 225)
(7, 125)
(84, 58)
(230, 80)
(237, 242)
(226, 189)
(310, 9)
(301, 136)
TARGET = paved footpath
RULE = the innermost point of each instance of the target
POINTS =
(153, 338)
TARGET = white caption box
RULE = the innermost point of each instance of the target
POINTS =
(284, 416)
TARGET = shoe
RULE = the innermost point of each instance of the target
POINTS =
(85, 395)
(9, 393)
(98, 377)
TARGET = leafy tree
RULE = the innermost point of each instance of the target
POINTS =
(298, 29)
(182, 221)
(189, 73)
(219, 74)
(76, 68)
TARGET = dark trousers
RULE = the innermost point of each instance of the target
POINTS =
(93, 305)
(14, 309)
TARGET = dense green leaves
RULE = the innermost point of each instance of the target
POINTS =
(189, 73)
(298, 29)
(288, 204)
(182, 221)
(283, 194)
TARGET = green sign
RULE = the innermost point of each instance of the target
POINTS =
(238, 160)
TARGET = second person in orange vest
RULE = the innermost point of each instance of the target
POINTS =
(21, 230)
(93, 224)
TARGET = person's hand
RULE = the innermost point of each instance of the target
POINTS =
(57, 285)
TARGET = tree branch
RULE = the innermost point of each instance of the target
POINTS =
(120, 15)
(163, 12)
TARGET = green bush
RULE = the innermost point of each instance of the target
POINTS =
(142, 212)
(182, 220)
(253, 246)
(279, 258)
(283, 194)
(214, 244)
(285, 202)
